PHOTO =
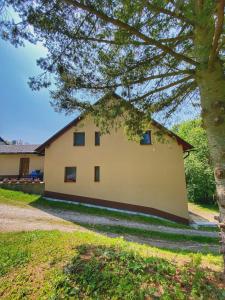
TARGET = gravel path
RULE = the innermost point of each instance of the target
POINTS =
(16, 218)
(92, 219)
(26, 218)
(31, 214)
(185, 245)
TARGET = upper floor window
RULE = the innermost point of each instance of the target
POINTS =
(79, 139)
(70, 174)
(146, 139)
(97, 138)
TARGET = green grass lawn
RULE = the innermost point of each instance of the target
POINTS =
(86, 265)
(207, 207)
(56, 265)
(152, 234)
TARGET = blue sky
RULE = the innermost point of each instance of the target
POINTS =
(25, 114)
(28, 115)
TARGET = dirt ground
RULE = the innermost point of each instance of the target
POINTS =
(18, 218)
(200, 215)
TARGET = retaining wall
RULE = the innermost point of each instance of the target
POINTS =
(31, 188)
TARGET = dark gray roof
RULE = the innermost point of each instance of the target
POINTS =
(13, 149)
(2, 141)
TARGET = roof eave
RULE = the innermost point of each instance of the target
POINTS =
(41, 149)
(185, 145)
(19, 153)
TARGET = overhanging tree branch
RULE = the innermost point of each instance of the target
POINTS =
(180, 92)
(177, 38)
(165, 11)
(132, 42)
(111, 42)
(131, 30)
(144, 62)
(141, 80)
(163, 88)
(218, 30)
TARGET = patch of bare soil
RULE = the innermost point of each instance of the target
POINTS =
(199, 215)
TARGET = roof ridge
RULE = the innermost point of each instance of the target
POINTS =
(186, 146)
(13, 149)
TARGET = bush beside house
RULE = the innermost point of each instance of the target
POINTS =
(198, 169)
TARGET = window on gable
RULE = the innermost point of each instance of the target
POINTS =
(79, 139)
(146, 139)
(70, 174)
(97, 138)
(97, 174)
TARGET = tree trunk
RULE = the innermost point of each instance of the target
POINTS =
(212, 91)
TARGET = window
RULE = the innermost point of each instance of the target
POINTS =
(79, 139)
(97, 173)
(146, 139)
(70, 174)
(97, 138)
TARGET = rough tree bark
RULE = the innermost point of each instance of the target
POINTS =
(211, 82)
(212, 89)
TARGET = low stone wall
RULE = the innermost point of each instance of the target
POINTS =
(30, 188)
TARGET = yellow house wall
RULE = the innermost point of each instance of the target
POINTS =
(145, 175)
(10, 163)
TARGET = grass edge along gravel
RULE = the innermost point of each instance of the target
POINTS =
(20, 198)
(51, 258)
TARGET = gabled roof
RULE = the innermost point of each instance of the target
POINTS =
(18, 149)
(186, 146)
(2, 141)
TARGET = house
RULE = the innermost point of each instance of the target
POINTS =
(109, 170)
(19, 160)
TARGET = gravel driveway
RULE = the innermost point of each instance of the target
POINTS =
(26, 218)
(17, 218)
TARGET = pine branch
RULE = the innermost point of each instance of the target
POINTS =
(141, 80)
(131, 30)
(144, 62)
(173, 14)
(111, 42)
(177, 38)
(180, 92)
(163, 88)
(218, 31)
(156, 58)
(132, 42)
(176, 105)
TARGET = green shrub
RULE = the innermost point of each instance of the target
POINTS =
(198, 170)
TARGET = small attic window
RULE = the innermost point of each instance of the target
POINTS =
(147, 138)
(79, 139)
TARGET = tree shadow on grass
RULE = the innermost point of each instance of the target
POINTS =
(106, 272)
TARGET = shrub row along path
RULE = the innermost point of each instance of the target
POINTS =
(26, 218)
